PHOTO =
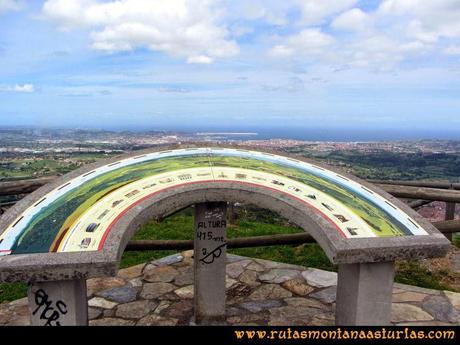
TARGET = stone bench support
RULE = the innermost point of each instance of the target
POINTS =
(364, 293)
(210, 258)
(58, 303)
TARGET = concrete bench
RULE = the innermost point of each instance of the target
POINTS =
(78, 226)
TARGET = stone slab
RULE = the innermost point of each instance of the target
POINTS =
(185, 291)
(408, 296)
(165, 274)
(135, 310)
(319, 278)
(454, 298)
(270, 291)
(327, 295)
(279, 275)
(403, 312)
(122, 294)
(95, 285)
(111, 321)
(155, 290)
(297, 287)
(131, 272)
(99, 302)
(441, 309)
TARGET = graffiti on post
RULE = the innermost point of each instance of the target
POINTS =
(209, 257)
(209, 233)
(47, 309)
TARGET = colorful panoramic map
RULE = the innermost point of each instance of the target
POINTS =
(78, 215)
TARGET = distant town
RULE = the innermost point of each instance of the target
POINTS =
(39, 141)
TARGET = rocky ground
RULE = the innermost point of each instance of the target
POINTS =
(259, 292)
(436, 211)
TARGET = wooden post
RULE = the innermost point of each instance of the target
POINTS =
(450, 214)
(210, 259)
(231, 216)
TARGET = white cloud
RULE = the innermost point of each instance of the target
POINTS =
(380, 39)
(369, 49)
(452, 50)
(273, 12)
(309, 42)
(24, 88)
(202, 59)
(182, 28)
(238, 30)
(9, 5)
(352, 20)
(316, 11)
(424, 20)
(202, 31)
(253, 9)
(282, 50)
(278, 13)
(379, 52)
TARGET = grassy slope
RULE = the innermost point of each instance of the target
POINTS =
(311, 255)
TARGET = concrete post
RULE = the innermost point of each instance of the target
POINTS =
(364, 293)
(210, 259)
(58, 303)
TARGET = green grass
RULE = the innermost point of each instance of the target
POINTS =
(12, 291)
(174, 228)
(456, 240)
(388, 165)
(412, 273)
(180, 227)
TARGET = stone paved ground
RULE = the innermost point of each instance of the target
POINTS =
(259, 292)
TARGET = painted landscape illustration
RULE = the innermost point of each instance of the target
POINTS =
(46, 229)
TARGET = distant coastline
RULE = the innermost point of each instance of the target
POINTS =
(331, 134)
(226, 133)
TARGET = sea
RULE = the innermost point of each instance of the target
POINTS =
(329, 134)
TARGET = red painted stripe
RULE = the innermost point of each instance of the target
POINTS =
(106, 233)
(59, 240)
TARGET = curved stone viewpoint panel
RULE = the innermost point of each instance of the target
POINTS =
(84, 221)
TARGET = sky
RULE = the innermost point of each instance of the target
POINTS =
(231, 64)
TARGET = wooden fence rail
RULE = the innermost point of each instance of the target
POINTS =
(411, 192)
(445, 227)
(23, 186)
(242, 242)
(429, 184)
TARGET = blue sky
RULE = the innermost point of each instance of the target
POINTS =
(390, 64)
